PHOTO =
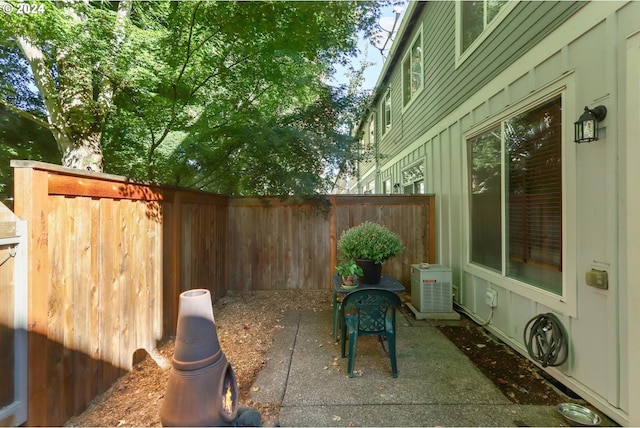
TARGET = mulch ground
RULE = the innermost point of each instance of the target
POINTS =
(517, 378)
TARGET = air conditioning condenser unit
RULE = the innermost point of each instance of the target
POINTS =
(431, 289)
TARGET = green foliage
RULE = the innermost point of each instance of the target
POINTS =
(20, 139)
(371, 241)
(222, 96)
(349, 267)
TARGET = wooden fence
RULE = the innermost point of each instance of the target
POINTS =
(109, 258)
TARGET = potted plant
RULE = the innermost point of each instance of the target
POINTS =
(369, 245)
(349, 271)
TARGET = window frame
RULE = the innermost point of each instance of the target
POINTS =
(371, 131)
(370, 187)
(461, 56)
(566, 302)
(387, 187)
(386, 120)
(407, 55)
(415, 182)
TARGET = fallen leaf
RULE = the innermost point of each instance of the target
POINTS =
(337, 418)
(255, 389)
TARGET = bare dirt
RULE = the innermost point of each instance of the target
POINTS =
(246, 325)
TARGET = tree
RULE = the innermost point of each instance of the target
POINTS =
(170, 90)
(19, 139)
(72, 54)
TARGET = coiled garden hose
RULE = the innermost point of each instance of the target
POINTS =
(547, 341)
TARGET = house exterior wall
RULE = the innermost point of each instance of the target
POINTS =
(587, 54)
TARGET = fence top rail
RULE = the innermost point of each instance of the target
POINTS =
(76, 182)
(63, 170)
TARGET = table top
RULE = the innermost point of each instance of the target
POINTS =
(387, 282)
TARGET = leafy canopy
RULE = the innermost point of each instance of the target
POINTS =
(230, 97)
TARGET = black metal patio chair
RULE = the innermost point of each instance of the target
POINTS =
(369, 313)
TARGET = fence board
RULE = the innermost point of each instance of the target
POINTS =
(107, 265)
(125, 279)
(81, 312)
(59, 330)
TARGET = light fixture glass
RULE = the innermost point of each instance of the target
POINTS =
(586, 128)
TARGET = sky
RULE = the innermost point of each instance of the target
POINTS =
(370, 52)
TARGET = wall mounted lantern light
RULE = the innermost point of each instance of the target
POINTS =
(587, 125)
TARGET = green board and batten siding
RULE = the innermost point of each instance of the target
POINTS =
(445, 86)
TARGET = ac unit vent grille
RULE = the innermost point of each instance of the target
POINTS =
(435, 297)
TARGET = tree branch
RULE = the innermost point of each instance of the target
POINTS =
(25, 114)
(107, 91)
(47, 88)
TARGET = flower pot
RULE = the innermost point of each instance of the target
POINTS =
(371, 271)
(348, 280)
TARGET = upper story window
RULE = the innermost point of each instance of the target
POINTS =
(385, 108)
(412, 76)
(475, 19)
(372, 131)
(515, 191)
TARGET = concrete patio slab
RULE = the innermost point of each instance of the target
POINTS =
(437, 385)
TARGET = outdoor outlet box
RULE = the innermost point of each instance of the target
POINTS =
(492, 297)
(597, 278)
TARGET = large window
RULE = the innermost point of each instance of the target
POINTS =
(412, 71)
(524, 206)
(475, 17)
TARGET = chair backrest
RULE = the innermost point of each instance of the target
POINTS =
(374, 309)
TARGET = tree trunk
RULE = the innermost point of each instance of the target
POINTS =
(75, 115)
(84, 154)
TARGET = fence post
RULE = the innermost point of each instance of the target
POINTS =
(33, 182)
(172, 243)
(333, 239)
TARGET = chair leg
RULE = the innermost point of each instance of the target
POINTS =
(343, 340)
(335, 323)
(353, 337)
(391, 344)
(336, 316)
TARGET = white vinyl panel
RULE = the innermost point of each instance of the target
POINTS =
(456, 175)
(629, 316)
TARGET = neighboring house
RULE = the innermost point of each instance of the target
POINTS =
(476, 104)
